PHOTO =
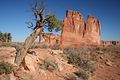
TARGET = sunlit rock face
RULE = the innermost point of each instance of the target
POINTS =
(76, 33)
(92, 32)
(49, 39)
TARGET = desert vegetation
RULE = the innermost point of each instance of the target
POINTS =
(5, 37)
(81, 59)
(5, 67)
(49, 65)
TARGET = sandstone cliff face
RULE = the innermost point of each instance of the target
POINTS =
(49, 39)
(74, 22)
(76, 34)
(92, 32)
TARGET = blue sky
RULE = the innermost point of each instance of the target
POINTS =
(14, 14)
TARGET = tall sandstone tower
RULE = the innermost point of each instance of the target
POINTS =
(76, 33)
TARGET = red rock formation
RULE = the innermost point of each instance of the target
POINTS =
(49, 39)
(92, 33)
(74, 32)
(74, 22)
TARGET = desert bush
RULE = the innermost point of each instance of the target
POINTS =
(35, 46)
(72, 77)
(55, 47)
(82, 74)
(81, 59)
(39, 46)
(5, 67)
(26, 76)
(6, 45)
(44, 46)
(49, 65)
(100, 48)
(79, 75)
(17, 46)
(77, 57)
(88, 66)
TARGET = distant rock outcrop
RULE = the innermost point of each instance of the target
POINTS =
(110, 43)
(49, 39)
(76, 33)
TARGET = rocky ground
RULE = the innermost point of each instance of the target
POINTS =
(108, 65)
(47, 64)
(43, 64)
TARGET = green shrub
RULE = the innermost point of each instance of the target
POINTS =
(55, 47)
(79, 75)
(44, 46)
(26, 76)
(6, 45)
(39, 46)
(80, 58)
(88, 66)
(77, 57)
(73, 56)
(34, 46)
(82, 74)
(5, 67)
(17, 46)
(49, 65)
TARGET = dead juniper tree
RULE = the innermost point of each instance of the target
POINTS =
(41, 20)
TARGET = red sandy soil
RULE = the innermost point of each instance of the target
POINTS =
(108, 72)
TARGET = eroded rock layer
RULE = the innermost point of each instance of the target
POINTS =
(49, 39)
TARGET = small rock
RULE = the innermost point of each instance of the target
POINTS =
(108, 63)
(100, 52)
(101, 66)
(32, 53)
(101, 57)
(60, 65)
(73, 77)
(55, 52)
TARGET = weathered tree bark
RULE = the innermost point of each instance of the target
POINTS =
(27, 44)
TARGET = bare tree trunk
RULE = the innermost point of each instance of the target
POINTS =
(27, 44)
